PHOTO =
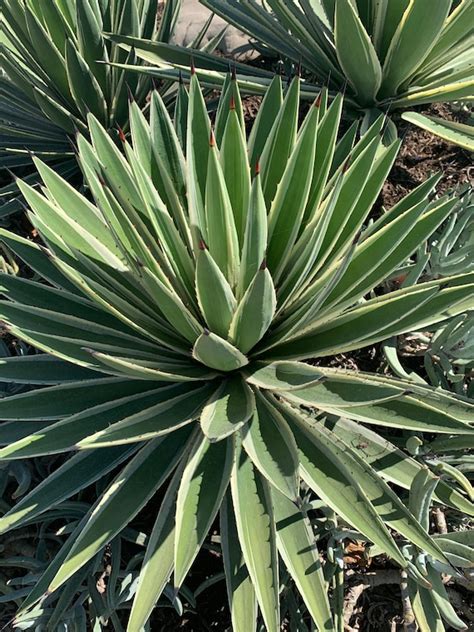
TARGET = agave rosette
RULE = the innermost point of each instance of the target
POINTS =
(57, 66)
(179, 307)
(392, 53)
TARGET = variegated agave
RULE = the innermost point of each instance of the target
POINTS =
(176, 314)
(59, 67)
(392, 53)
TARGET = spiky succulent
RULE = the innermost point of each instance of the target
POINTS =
(58, 66)
(392, 53)
(176, 314)
(461, 134)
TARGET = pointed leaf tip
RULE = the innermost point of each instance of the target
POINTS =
(232, 102)
(121, 134)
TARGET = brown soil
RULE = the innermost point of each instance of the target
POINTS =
(423, 154)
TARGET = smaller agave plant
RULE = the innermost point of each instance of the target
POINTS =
(176, 313)
(58, 66)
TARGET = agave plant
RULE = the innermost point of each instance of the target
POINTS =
(395, 54)
(461, 134)
(58, 67)
(176, 314)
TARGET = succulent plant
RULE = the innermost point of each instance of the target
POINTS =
(393, 54)
(177, 311)
(461, 134)
(59, 65)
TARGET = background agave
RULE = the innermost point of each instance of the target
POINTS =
(461, 134)
(394, 54)
(57, 64)
(178, 309)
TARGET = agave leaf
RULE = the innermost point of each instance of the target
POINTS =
(84, 87)
(427, 615)
(386, 502)
(279, 142)
(415, 36)
(220, 222)
(455, 30)
(298, 549)
(421, 491)
(256, 528)
(288, 206)
(391, 463)
(442, 602)
(47, 53)
(215, 296)
(124, 498)
(264, 120)
(328, 473)
(181, 114)
(79, 208)
(389, 405)
(91, 42)
(241, 594)
(283, 376)
(228, 409)
(378, 319)
(255, 312)
(255, 238)
(172, 306)
(163, 418)
(67, 399)
(230, 96)
(79, 472)
(270, 444)
(59, 221)
(197, 156)
(65, 434)
(36, 259)
(113, 163)
(159, 557)
(42, 369)
(217, 353)
(456, 133)
(203, 485)
(457, 553)
(236, 169)
(356, 52)
(43, 297)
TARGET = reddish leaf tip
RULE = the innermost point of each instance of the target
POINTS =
(202, 245)
(212, 139)
(257, 167)
(121, 134)
(232, 102)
